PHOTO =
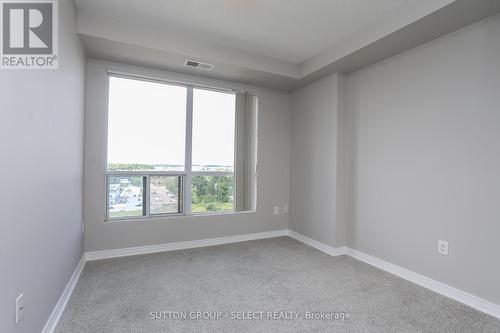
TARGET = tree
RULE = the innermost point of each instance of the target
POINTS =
(223, 190)
(172, 184)
(200, 186)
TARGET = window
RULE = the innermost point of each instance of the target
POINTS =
(146, 125)
(213, 130)
(165, 194)
(177, 149)
(212, 193)
(125, 196)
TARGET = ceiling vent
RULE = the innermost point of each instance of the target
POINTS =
(199, 65)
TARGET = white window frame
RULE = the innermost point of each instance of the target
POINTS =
(186, 175)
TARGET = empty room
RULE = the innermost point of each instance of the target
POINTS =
(250, 166)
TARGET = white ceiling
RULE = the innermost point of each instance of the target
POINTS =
(290, 30)
(275, 43)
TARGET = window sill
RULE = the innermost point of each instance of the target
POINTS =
(178, 216)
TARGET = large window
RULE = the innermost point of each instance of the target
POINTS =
(174, 149)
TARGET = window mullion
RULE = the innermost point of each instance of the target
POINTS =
(145, 195)
(189, 151)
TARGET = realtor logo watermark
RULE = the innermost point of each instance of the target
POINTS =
(28, 34)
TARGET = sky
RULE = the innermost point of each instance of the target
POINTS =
(147, 123)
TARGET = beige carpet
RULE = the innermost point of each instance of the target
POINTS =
(272, 285)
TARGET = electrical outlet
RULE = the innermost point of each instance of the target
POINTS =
(19, 308)
(285, 209)
(443, 247)
(276, 210)
(83, 228)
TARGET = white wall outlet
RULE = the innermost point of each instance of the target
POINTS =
(443, 247)
(285, 209)
(276, 210)
(83, 228)
(19, 308)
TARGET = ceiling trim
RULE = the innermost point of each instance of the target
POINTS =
(114, 40)
(92, 25)
(370, 34)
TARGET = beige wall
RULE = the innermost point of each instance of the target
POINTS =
(272, 181)
(316, 161)
(41, 162)
(425, 131)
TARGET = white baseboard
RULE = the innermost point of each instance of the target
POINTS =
(105, 254)
(436, 286)
(58, 310)
(317, 245)
(441, 288)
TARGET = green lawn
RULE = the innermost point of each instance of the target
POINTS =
(126, 213)
(218, 206)
(195, 208)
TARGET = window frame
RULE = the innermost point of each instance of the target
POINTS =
(186, 175)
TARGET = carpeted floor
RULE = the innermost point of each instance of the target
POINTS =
(278, 275)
